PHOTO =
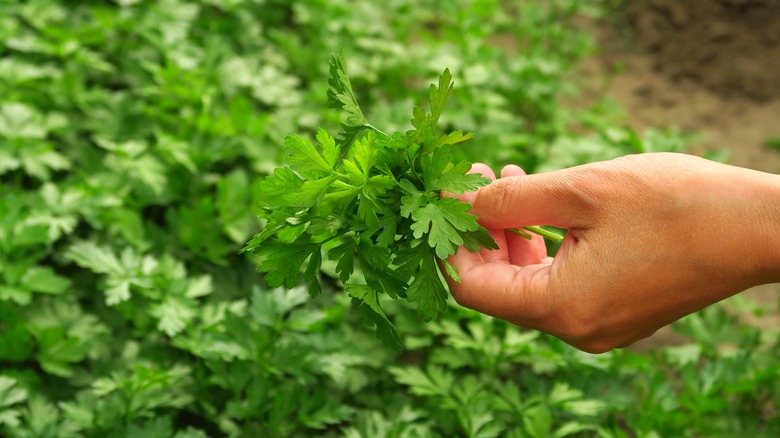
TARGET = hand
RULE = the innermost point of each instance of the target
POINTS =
(651, 238)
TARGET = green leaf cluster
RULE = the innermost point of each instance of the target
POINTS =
(373, 198)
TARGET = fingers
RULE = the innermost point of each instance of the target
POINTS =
(509, 283)
(553, 198)
(500, 255)
(505, 291)
(521, 250)
(488, 256)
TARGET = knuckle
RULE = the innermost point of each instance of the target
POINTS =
(505, 193)
(581, 189)
(591, 185)
(609, 183)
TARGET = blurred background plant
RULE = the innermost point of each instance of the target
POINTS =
(131, 135)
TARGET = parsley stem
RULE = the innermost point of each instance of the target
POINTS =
(378, 131)
(337, 235)
(520, 233)
(540, 231)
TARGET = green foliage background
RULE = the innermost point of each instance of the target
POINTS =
(132, 134)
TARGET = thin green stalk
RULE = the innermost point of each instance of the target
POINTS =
(520, 233)
(537, 230)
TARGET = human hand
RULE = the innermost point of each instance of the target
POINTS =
(651, 238)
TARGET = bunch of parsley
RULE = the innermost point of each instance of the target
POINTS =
(372, 198)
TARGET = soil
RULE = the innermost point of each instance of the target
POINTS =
(700, 66)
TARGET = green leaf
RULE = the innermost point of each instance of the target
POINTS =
(16, 342)
(452, 271)
(199, 287)
(340, 94)
(15, 294)
(537, 421)
(330, 150)
(97, 259)
(44, 420)
(160, 427)
(10, 395)
(427, 289)
(122, 272)
(413, 200)
(233, 198)
(436, 382)
(18, 120)
(479, 239)
(118, 291)
(280, 188)
(282, 261)
(585, 408)
(455, 137)
(339, 196)
(39, 160)
(190, 432)
(572, 428)
(277, 221)
(438, 95)
(58, 350)
(375, 261)
(410, 259)
(44, 280)
(368, 305)
(302, 157)
(443, 220)
(311, 275)
(364, 154)
(370, 206)
(25, 234)
(174, 313)
(312, 191)
(441, 174)
(344, 254)
(329, 225)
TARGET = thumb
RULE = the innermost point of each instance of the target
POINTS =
(555, 198)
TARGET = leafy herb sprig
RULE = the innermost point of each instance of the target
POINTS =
(371, 198)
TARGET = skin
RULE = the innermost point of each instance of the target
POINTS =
(651, 238)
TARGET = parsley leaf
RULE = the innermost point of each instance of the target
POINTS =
(340, 94)
(367, 301)
(427, 288)
(443, 221)
(303, 158)
(283, 261)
